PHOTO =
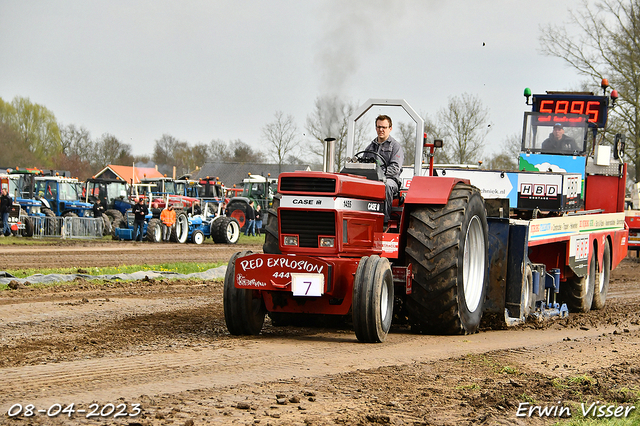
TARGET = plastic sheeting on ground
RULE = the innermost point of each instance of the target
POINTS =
(215, 273)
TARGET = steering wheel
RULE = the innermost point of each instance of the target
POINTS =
(361, 158)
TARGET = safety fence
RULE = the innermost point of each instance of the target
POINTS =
(67, 227)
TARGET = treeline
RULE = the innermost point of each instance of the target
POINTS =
(30, 136)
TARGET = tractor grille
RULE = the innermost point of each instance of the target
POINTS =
(307, 184)
(307, 225)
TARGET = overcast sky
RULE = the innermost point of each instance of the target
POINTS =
(203, 70)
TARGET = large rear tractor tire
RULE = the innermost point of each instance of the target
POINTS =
(447, 247)
(602, 280)
(51, 223)
(271, 237)
(244, 309)
(154, 231)
(372, 308)
(238, 211)
(115, 217)
(106, 225)
(117, 223)
(577, 292)
(225, 230)
(180, 231)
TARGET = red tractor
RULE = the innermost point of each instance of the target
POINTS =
(447, 256)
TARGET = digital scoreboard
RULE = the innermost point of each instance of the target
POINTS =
(593, 106)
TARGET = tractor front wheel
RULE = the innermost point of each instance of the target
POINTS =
(244, 309)
(197, 237)
(447, 247)
(372, 308)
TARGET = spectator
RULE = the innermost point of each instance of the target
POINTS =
(223, 210)
(251, 220)
(98, 209)
(5, 207)
(168, 219)
(258, 218)
(196, 208)
(140, 211)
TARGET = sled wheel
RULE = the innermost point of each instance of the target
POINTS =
(602, 280)
(197, 237)
(244, 309)
(372, 308)
(271, 240)
(577, 292)
(447, 247)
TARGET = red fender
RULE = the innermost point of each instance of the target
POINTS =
(431, 189)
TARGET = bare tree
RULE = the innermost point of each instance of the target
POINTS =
(406, 135)
(465, 124)
(219, 151)
(508, 157)
(330, 118)
(243, 153)
(282, 136)
(109, 150)
(608, 46)
(164, 148)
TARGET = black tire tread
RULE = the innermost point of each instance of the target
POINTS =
(434, 240)
(271, 235)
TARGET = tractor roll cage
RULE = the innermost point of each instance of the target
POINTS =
(351, 129)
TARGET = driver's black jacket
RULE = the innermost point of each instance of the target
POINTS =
(391, 151)
(566, 144)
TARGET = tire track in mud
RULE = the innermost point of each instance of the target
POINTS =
(249, 361)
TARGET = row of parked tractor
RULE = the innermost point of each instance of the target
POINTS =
(44, 202)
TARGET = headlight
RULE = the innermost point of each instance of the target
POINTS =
(327, 241)
(291, 240)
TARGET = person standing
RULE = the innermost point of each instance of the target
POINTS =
(98, 208)
(140, 212)
(168, 219)
(5, 207)
(258, 218)
(391, 151)
(251, 220)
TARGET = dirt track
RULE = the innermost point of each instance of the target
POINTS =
(164, 345)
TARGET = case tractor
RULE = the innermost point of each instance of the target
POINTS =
(450, 252)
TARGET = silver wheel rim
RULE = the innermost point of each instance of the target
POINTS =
(473, 264)
(233, 231)
(601, 281)
(384, 302)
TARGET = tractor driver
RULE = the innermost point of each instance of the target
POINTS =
(558, 142)
(391, 150)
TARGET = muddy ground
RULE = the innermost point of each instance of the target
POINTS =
(164, 345)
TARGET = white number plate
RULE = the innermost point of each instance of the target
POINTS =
(307, 284)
